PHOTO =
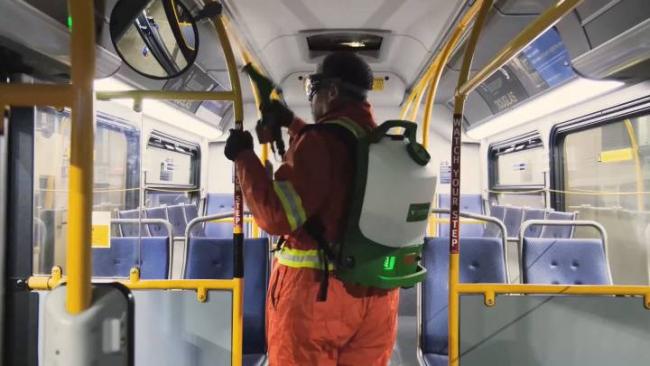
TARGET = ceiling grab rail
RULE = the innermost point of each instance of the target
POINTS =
(464, 87)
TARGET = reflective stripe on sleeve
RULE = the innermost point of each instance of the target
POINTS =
(291, 203)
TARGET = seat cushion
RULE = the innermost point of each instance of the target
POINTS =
(122, 255)
(481, 260)
(209, 258)
(564, 261)
(254, 359)
(556, 231)
(434, 359)
(468, 203)
(177, 219)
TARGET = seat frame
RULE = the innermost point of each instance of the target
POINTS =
(526, 224)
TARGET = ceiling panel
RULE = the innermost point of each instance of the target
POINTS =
(273, 29)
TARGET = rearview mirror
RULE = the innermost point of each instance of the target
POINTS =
(156, 38)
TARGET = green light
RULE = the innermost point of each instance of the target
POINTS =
(389, 263)
(69, 22)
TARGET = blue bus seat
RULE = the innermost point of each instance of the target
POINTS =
(481, 260)
(157, 213)
(512, 220)
(211, 258)
(131, 230)
(533, 214)
(468, 203)
(492, 230)
(122, 255)
(191, 212)
(564, 261)
(176, 216)
(558, 231)
(217, 203)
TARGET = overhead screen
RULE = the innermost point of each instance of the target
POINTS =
(544, 64)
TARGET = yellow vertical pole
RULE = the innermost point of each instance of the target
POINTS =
(640, 187)
(82, 50)
(454, 237)
(238, 237)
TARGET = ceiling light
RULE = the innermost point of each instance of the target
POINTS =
(567, 95)
(353, 44)
(159, 110)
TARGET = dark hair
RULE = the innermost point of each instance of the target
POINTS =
(352, 71)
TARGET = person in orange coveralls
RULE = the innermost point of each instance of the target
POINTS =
(351, 324)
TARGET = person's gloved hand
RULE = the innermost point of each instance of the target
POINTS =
(274, 116)
(277, 113)
(237, 142)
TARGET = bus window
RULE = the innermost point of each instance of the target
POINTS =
(605, 177)
(116, 177)
(171, 170)
(517, 170)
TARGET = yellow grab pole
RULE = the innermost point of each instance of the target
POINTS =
(238, 236)
(454, 238)
(166, 95)
(82, 50)
(58, 96)
(439, 66)
(640, 199)
(532, 31)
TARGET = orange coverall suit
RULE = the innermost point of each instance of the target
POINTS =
(355, 325)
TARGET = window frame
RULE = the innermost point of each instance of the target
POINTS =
(157, 139)
(559, 132)
(529, 140)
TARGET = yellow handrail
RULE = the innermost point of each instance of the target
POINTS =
(82, 52)
(79, 96)
(238, 232)
(439, 65)
(490, 290)
(454, 238)
(464, 87)
(167, 95)
(523, 39)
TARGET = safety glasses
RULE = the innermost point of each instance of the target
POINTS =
(314, 82)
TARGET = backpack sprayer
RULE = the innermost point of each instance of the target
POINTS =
(271, 129)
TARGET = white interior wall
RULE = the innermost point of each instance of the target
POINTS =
(544, 124)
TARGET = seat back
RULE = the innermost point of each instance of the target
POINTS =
(122, 255)
(549, 231)
(533, 214)
(192, 212)
(131, 230)
(499, 213)
(217, 203)
(177, 219)
(210, 258)
(468, 203)
(481, 260)
(512, 220)
(564, 261)
(157, 213)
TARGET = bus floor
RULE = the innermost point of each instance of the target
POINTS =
(405, 350)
